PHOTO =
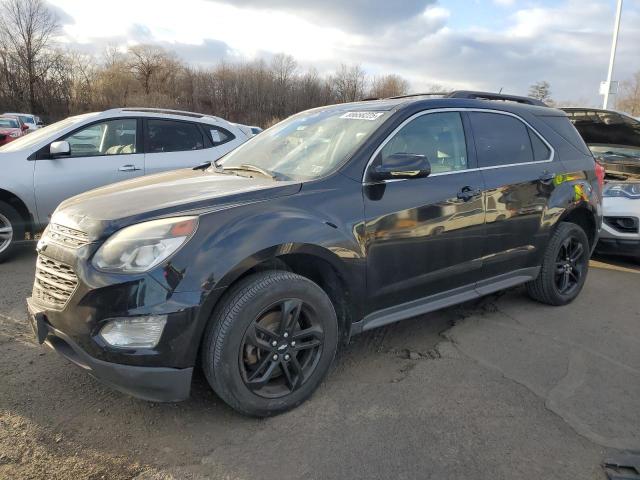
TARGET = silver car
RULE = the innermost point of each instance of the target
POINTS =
(620, 233)
(614, 139)
(80, 153)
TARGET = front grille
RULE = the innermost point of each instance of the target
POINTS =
(67, 236)
(623, 224)
(2, 137)
(55, 282)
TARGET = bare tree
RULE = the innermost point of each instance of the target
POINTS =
(541, 91)
(27, 28)
(147, 62)
(53, 83)
(629, 98)
(349, 83)
(388, 86)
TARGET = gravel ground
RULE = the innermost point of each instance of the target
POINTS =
(502, 388)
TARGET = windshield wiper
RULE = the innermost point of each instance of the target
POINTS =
(253, 168)
(202, 166)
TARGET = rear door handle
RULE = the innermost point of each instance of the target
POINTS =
(467, 193)
(128, 168)
(546, 177)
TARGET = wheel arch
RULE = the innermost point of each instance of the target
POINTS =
(318, 264)
(583, 216)
(20, 206)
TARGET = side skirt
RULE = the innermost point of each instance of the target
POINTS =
(444, 299)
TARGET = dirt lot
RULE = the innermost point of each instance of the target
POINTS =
(503, 388)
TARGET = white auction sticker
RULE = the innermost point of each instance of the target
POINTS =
(362, 115)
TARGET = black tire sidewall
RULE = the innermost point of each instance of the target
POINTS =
(565, 230)
(18, 228)
(255, 298)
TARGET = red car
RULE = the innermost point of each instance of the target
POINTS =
(10, 129)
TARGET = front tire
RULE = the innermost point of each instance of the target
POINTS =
(564, 267)
(11, 230)
(270, 342)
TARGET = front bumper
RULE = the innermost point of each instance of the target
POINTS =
(619, 246)
(159, 384)
(612, 240)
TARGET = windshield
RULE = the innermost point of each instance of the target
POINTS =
(43, 133)
(308, 145)
(9, 123)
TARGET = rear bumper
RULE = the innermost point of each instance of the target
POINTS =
(158, 384)
(619, 246)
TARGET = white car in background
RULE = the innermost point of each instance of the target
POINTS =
(31, 121)
(84, 152)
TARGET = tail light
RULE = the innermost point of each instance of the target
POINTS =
(600, 174)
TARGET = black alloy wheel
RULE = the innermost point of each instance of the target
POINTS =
(281, 348)
(569, 265)
(269, 343)
(564, 267)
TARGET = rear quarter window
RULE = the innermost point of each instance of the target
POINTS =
(563, 127)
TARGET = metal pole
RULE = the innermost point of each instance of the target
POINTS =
(614, 44)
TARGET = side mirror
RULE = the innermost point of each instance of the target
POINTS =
(402, 165)
(60, 149)
(24, 127)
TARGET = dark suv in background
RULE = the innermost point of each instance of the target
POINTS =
(333, 222)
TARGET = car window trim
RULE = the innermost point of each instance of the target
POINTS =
(475, 169)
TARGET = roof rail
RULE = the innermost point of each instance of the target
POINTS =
(470, 94)
(167, 111)
(495, 96)
(427, 94)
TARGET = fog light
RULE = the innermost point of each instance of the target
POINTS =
(134, 332)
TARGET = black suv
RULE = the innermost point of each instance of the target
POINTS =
(336, 221)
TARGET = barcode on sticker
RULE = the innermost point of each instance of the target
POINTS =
(362, 115)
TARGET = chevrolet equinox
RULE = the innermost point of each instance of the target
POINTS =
(338, 220)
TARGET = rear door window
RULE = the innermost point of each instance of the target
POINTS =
(172, 136)
(500, 139)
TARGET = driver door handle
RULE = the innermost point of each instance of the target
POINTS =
(128, 168)
(467, 193)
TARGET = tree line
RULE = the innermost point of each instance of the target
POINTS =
(40, 77)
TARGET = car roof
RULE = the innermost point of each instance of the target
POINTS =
(427, 101)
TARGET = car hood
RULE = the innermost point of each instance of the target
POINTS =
(8, 131)
(102, 211)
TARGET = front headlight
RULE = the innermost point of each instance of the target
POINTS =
(14, 135)
(622, 189)
(141, 247)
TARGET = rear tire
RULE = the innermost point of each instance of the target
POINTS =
(269, 343)
(11, 230)
(564, 267)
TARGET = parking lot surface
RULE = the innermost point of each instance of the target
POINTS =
(501, 388)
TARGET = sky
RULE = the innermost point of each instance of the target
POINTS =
(472, 44)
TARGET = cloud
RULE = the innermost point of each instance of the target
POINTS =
(504, 3)
(565, 42)
(63, 17)
(360, 15)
